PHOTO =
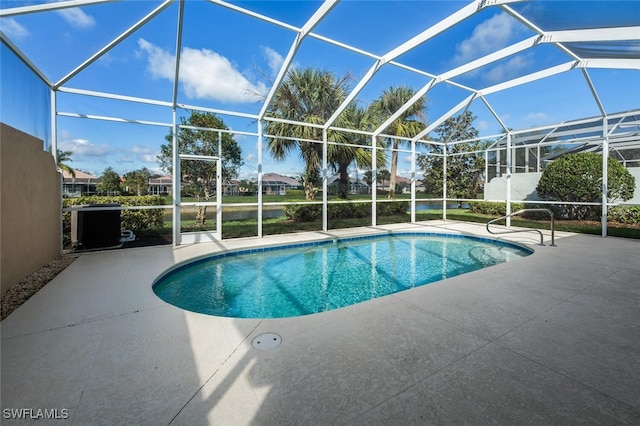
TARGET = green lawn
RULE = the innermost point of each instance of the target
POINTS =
(298, 196)
(247, 228)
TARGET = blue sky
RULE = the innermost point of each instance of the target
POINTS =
(229, 61)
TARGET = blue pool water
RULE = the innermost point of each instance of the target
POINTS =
(307, 278)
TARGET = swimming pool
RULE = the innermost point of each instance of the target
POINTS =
(307, 278)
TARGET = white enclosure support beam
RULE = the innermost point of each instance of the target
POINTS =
(114, 42)
(548, 72)
(605, 177)
(254, 14)
(175, 147)
(592, 35)
(292, 28)
(596, 98)
(175, 180)
(431, 32)
(434, 30)
(486, 167)
(54, 150)
(54, 125)
(413, 181)
(114, 96)
(260, 173)
(495, 114)
(219, 189)
(354, 92)
(322, 11)
(374, 179)
(444, 181)
(466, 102)
(196, 157)
(325, 186)
(611, 63)
(535, 28)
(176, 73)
(420, 93)
(508, 183)
(15, 11)
(114, 119)
(493, 57)
(218, 203)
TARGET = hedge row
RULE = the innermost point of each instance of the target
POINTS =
(493, 208)
(312, 212)
(138, 221)
(628, 215)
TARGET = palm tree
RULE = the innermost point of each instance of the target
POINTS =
(407, 125)
(63, 158)
(308, 96)
(342, 156)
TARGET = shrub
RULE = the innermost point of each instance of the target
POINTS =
(628, 215)
(138, 221)
(392, 208)
(311, 212)
(303, 212)
(578, 178)
(493, 208)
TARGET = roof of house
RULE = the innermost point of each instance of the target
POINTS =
(333, 179)
(276, 179)
(81, 177)
(161, 180)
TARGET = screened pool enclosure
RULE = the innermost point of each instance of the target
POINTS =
(115, 83)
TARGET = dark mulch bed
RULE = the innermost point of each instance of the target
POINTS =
(19, 293)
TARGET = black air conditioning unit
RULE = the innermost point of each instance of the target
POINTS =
(94, 229)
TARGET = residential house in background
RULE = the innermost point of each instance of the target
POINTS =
(356, 186)
(275, 184)
(403, 185)
(161, 185)
(83, 184)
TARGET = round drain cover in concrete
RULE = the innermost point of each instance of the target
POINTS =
(266, 341)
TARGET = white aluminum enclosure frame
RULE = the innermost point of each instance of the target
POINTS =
(559, 39)
(195, 237)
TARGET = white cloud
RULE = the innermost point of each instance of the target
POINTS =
(509, 69)
(144, 154)
(481, 125)
(13, 29)
(160, 63)
(536, 119)
(137, 149)
(274, 59)
(83, 147)
(204, 74)
(77, 18)
(492, 34)
(149, 158)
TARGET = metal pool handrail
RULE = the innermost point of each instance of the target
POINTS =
(553, 244)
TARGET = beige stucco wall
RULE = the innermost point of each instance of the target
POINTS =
(29, 206)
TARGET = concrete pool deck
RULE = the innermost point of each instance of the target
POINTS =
(553, 338)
